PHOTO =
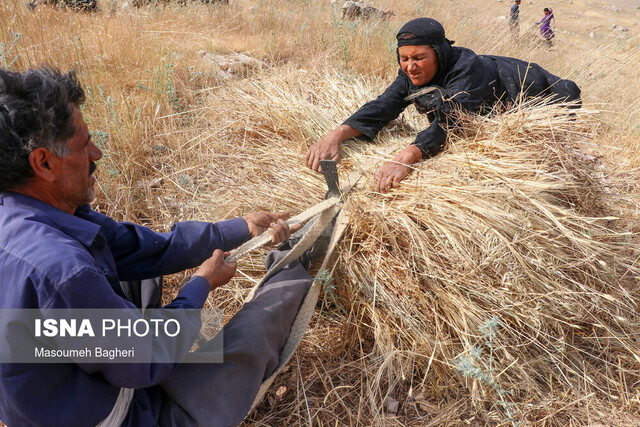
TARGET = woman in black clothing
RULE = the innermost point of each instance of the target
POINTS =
(439, 80)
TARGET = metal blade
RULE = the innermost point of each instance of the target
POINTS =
(330, 171)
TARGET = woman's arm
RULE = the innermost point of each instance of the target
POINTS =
(365, 123)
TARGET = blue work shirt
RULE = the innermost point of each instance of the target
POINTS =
(50, 259)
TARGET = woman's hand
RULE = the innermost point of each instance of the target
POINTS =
(328, 148)
(390, 175)
(394, 171)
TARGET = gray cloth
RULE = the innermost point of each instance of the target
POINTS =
(221, 394)
(144, 293)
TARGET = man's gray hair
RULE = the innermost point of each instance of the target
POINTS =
(35, 111)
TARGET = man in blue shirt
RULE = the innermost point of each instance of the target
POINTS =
(514, 21)
(57, 253)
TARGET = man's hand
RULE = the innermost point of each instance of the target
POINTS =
(394, 171)
(216, 271)
(260, 221)
(328, 148)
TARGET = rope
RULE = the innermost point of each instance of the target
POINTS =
(307, 241)
(300, 323)
(265, 237)
(120, 409)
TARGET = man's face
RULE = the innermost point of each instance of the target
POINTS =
(420, 63)
(74, 182)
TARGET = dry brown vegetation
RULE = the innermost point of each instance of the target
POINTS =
(498, 285)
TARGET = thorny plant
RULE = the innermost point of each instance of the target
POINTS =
(165, 86)
(480, 366)
(329, 288)
(7, 56)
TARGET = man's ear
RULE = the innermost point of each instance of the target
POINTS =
(42, 162)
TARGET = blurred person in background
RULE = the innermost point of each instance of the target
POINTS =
(514, 19)
(545, 26)
(440, 80)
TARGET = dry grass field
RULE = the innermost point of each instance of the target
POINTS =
(499, 285)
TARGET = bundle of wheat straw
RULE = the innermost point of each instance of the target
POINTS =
(496, 284)
(498, 272)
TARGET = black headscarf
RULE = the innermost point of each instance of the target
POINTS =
(429, 32)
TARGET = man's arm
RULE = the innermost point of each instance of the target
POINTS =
(141, 253)
(89, 289)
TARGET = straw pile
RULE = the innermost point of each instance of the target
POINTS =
(499, 274)
(498, 284)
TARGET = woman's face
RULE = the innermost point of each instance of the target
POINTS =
(420, 63)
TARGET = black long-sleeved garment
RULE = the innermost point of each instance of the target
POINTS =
(468, 82)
